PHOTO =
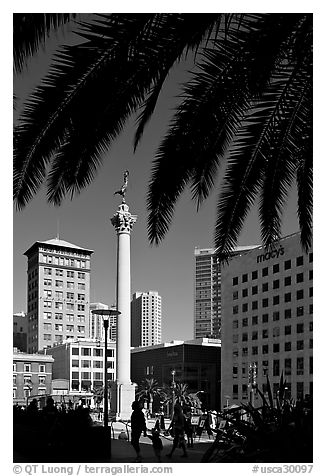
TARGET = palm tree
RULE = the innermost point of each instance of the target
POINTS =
(98, 395)
(248, 104)
(148, 390)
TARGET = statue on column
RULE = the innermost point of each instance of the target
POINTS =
(123, 189)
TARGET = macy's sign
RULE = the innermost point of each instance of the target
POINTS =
(270, 254)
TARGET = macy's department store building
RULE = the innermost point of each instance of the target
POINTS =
(267, 320)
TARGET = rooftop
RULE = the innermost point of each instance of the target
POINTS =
(59, 243)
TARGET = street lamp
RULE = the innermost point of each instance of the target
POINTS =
(106, 313)
(173, 391)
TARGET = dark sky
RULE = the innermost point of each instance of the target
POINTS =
(85, 221)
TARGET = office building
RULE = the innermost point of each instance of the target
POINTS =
(96, 328)
(197, 363)
(81, 362)
(207, 305)
(58, 294)
(267, 322)
(32, 376)
(20, 331)
(146, 318)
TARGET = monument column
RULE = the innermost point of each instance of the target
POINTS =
(122, 390)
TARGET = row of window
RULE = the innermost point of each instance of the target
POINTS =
(70, 306)
(87, 351)
(271, 301)
(28, 380)
(265, 333)
(59, 295)
(276, 269)
(275, 285)
(265, 349)
(60, 261)
(59, 317)
(287, 314)
(275, 389)
(28, 367)
(28, 392)
(59, 337)
(97, 364)
(276, 367)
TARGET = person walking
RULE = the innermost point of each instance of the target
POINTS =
(178, 426)
(138, 425)
(157, 443)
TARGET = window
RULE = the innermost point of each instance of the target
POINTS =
(81, 275)
(59, 284)
(310, 308)
(46, 336)
(70, 328)
(244, 351)
(287, 366)
(287, 346)
(47, 271)
(310, 365)
(81, 297)
(85, 351)
(59, 272)
(235, 353)
(276, 368)
(311, 343)
(300, 366)
(235, 309)
(287, 313)
(245, 307)
(14, 381)
(287, 281)
(81, 286)
(75, 351)
(265, 318)
(58, 327)
(98, 364)
(265, 302)
(299, 278)
(300, 344)
(27, 367)
(276, 284)
(310, 292)
(276, 331)
(287, 264)
(299, 261)
(254, 305)
(265, 334)
(70, 284)
(235, 295)
(310, 274)
(41, 380)
(47, 303)
(245, 322)
(235, 281)
(245, 278)
(300, 328)
(244, 337)
(276, 316)
(276, 347)
(254, 275)
(254, 320)
(265, 349)
(255, 350)
(276, 268)
(276, 300)
(254, 335)
(58, 305)
(47, 315)
(235, 324)
(265, 272)
(245, 292)
(81, 329)
(80, 318)
(287, 330)
(234, 391)
(85, 363)
(47, 327)
(254, 290)
(235, 338)
(98, 352)
(75, 363)
(265, 287)
(80, 307)
(287, 297)
(70, 295)
(59, 295)
(70, 274)
(300, 294)
(244, 390)
(310, 326)
(300, 311)
(70, 306)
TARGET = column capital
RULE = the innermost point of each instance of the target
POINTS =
(123, 220)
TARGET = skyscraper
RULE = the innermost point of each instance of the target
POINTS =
(207, 305)
(96, 328)
(146, 317)
(58, 292)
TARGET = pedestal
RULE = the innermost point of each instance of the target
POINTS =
(122, 396)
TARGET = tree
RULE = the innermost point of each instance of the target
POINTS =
(148, 390)
(181, 395)
(248, 104)
(98, 395)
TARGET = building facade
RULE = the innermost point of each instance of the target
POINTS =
(58, 292)
(96, 328)
(81, 363)
(197, 363)
(32, 376)
(20, 327)
(207, 293)
(267, 320)
(146, 319)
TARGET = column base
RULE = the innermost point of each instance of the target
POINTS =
(122, 396)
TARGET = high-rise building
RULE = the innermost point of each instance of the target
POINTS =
(267, 321)
(96, 327)
(58, 293)
(207, 306)
(146, 317)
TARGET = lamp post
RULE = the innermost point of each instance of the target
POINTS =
(106, 313)
(173, 392)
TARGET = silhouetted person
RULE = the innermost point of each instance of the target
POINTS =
(178, 426)
(157, 443)
(138, 425)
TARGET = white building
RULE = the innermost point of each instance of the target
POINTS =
(96, 328)
(267, 320)
(146, 319)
